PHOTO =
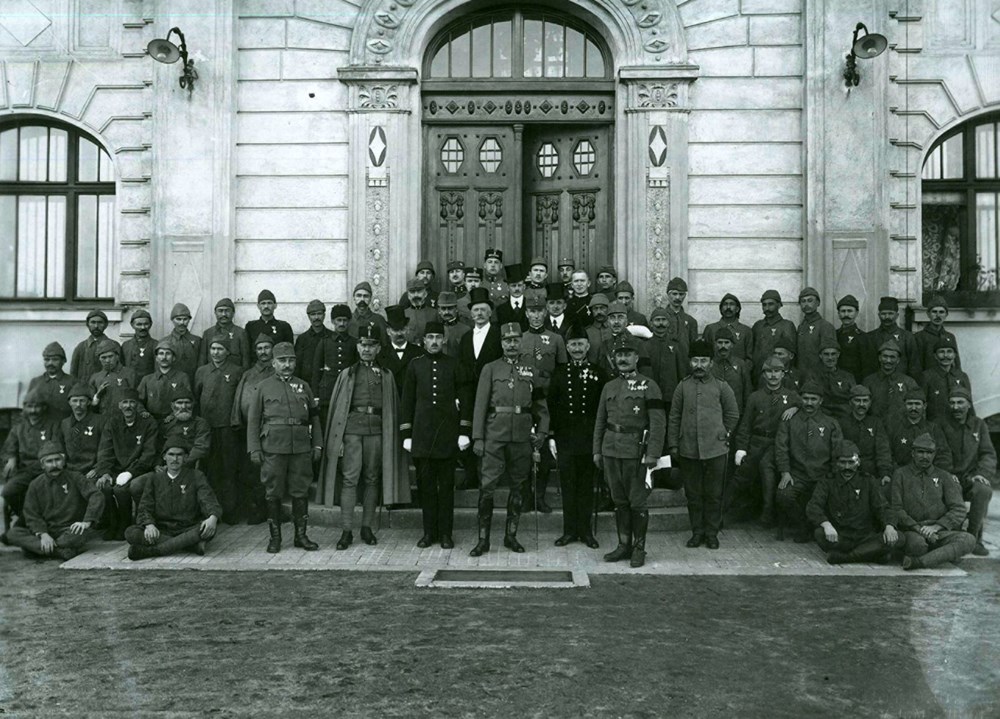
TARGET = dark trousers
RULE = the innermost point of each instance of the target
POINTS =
(862, 549)
(703, 482)
(758, 470)
(436, 482)
(545, 464)
(249, 487)
(14, 491)
(792, 501)
(946, 546)
(168, 542)
(576, 480)
(978, 496)
(120, 503)
(222, 469)
(66, 541)
(627, 481)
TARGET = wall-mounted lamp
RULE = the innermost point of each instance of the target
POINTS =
(166, 52)
(866, 47)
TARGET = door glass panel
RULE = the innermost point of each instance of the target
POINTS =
(105, 243)
(481, 50)
(8, 154)
(932, 165)
(452, 155)
(502, 49)
(106, 173)
(439, 65)
(986, 151)
(86, 246)
(574, 53)
(548, 159)
(553, 49)
(31, 217)
(460, 56)
(951, 158)
(87, 168)
(55, 278)
(8, 244)
(584, 157)
(57, 155)
(34, 155)
(595, 61)
(987, 239)
(532, 48)
(490, 155)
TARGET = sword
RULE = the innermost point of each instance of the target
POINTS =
(536, 458)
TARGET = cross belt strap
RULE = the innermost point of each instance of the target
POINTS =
(377, 411)
(510, 410)
(285, 420)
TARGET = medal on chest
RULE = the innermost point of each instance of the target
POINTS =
(936, 481)
(226, 377)
(65, 489)
(119, 381)
(184, 431)
(871, 431)
(183, 488)
(821, 430)
(41, 435)
(62, 389)
(88, 432)
(138, 440)
(142, 351)
(857, 494)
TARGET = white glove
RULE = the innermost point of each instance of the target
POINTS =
(123, 478)
(740, 456)
(463, 442)
(408, 445)
(552, 448)
(640, 331)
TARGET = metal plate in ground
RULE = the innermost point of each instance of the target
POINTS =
(503, 578)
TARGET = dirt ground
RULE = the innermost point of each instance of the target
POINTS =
(354, 644)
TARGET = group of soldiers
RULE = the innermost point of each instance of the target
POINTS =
(866, 442)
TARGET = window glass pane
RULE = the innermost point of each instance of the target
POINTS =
(31, 217)
(439, 65)
(501, 49)
(107, 171)
(553, 49)
(460, 56)
(943, 216)
(86, 246)
(55, 280)
(57, 155)
(8, 154)
(8, 243)
(574, 53)
(34, 154)
(986, 151)
(87, 168)
(932, 165)
(986, 240)
(951, 158)
(105, 244)
(595, 62)
(532, 48)
(481, 51)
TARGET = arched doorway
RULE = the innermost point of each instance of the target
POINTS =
(518, 111)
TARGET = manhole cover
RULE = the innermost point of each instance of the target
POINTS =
(502, 578)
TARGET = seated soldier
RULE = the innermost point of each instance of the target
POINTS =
(127, 450)
(927, 506)
(20, 454)
(851, 514)
(869, 434)
(81, 432)
(60, 508)
(178, 509)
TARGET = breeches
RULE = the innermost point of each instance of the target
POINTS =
(287, 474)
(626, 479)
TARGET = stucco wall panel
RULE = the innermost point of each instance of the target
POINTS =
(307, 224)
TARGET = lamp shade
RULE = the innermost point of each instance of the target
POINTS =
(869, 46)
(164, 51)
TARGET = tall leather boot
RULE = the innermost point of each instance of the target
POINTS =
(623, 520)
(485, 521)
(274, 525)
(640, 522)
(514, 503)
(300, 518)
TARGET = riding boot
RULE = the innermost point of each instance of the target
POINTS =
(274, 525)
(640, 522)
(485, 521)
(513, 518)
(300, 518)
(623, 520)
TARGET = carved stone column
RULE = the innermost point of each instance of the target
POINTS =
(653, 176)
(384, 232)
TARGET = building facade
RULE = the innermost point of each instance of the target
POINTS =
(329, 141)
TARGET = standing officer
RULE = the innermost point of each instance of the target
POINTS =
(850, 337)
(84, 362)
(137, 352)
(573, 396)
(238, 339)
(683, 328)
(456, 279)
(363, 314)
(279, 330)
(607, 280)
(111, 380)
(732, 371)
(418, 313)
(625, 293)
(435, 422)
(194, 432)
(454, 329)
(187, 346)
(933, 333)
(769, 330)
(53, 384)
(942, 377)
(426, 273)
(250, 491)
(81, 432)
(284, 439)
(628, 437)
(306, 343)
(565, 269)
(730, 309)
(836, 383)
(906, 427)
(814, 332)
(509, 424)
(492, 280)
(703, 415)
(889, 331)
(473, 280)
(537, 277)
(334, 353)
(157, 389)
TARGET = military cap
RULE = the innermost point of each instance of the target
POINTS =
(937, 301)
(222, 342)
(264, 295)
(48, 448)
(848, 301)
(456, 265)
(479, 296)
(340, 310)
(890, 345)
(889, 304)
(180, 310)
(829, 344)
(366, 286)
(175, 441)
(54, 349)
(945, 342)
(576, 331)
(700, 348)
(624, 286)
(165, 344)
(924, 441)
(396, 317)
(510, 330)
(609, 270)
(625, 343)
(474, 272)
(434, 327)
(283, 350)
(808, 292)
(617, 308)
(566, 262)
(539, 261)
(226, 302)
(104, 346)
(658, 312)
(514, 273)
(315, 306)
(263, 338)
(771, 295)
(849, 449)
(139, 314)
(96, 313)
(447, 299)
(535, 302)
(372, 333)
(783, 344)
(773, 362)
(677, 284)
(181, 391)
(730, 296)
(598, 299)
(959, 391)
(415, 284)
(34, 397)
(493, 254)
(426, 265)
(811, 386)
(129, 393)
(79, 390)
(914, 394)
(555, 291)
(725, 334)
(860, 390)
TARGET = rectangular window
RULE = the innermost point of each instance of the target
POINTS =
(987, 240)
(986, 151)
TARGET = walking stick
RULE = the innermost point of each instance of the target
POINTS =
(536, 458)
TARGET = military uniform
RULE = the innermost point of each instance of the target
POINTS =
(974, 456)
(81, 438)
(157, 389)
(735, 373)
(888, 394)
(418, 318)
(836, 386)
(238, 341)
(22, 445)
(85, 363)
(909, 358)
(249, 489)
(902, 433)
(215, 394)
(768, 332)
(333, 355)
(187, 351)
(812, 335)
(938, 384)
(851, 340)
(277, 330)
(114, 383)
(139, 355)
(305, 349)
(928, 340)
(544, 350)
(175, 506)
(54, 391)
(872, 440)
(194, 433)
(127, 448)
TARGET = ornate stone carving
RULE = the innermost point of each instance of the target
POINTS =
(376, 245)
(657, 95)
(463, 109)
(452, 211)
(658, 241)
(490, 216)
(584, 227)
(378, 97)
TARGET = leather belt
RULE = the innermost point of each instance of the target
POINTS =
(285, 420)
(622, 429)
(511, 410)
(377, 411)
(765, 436)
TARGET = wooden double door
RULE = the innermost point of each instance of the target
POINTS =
(529, 190)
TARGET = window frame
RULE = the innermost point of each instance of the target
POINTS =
(967, 185)
(72, 189)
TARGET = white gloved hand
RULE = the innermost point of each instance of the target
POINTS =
(123, 478)
(640, 331)
(740, 456)
(464, 442)
(408, 445)
(552, 449)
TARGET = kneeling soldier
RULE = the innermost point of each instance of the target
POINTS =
(284, 438)
(851, 513)
(178, 509)
(509, 424)
(927, 505)
(60, 508)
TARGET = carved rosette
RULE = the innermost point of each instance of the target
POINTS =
(377, 244)
(658, 240)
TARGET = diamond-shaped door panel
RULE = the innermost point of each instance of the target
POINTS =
(490, 155)
(452, 155)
